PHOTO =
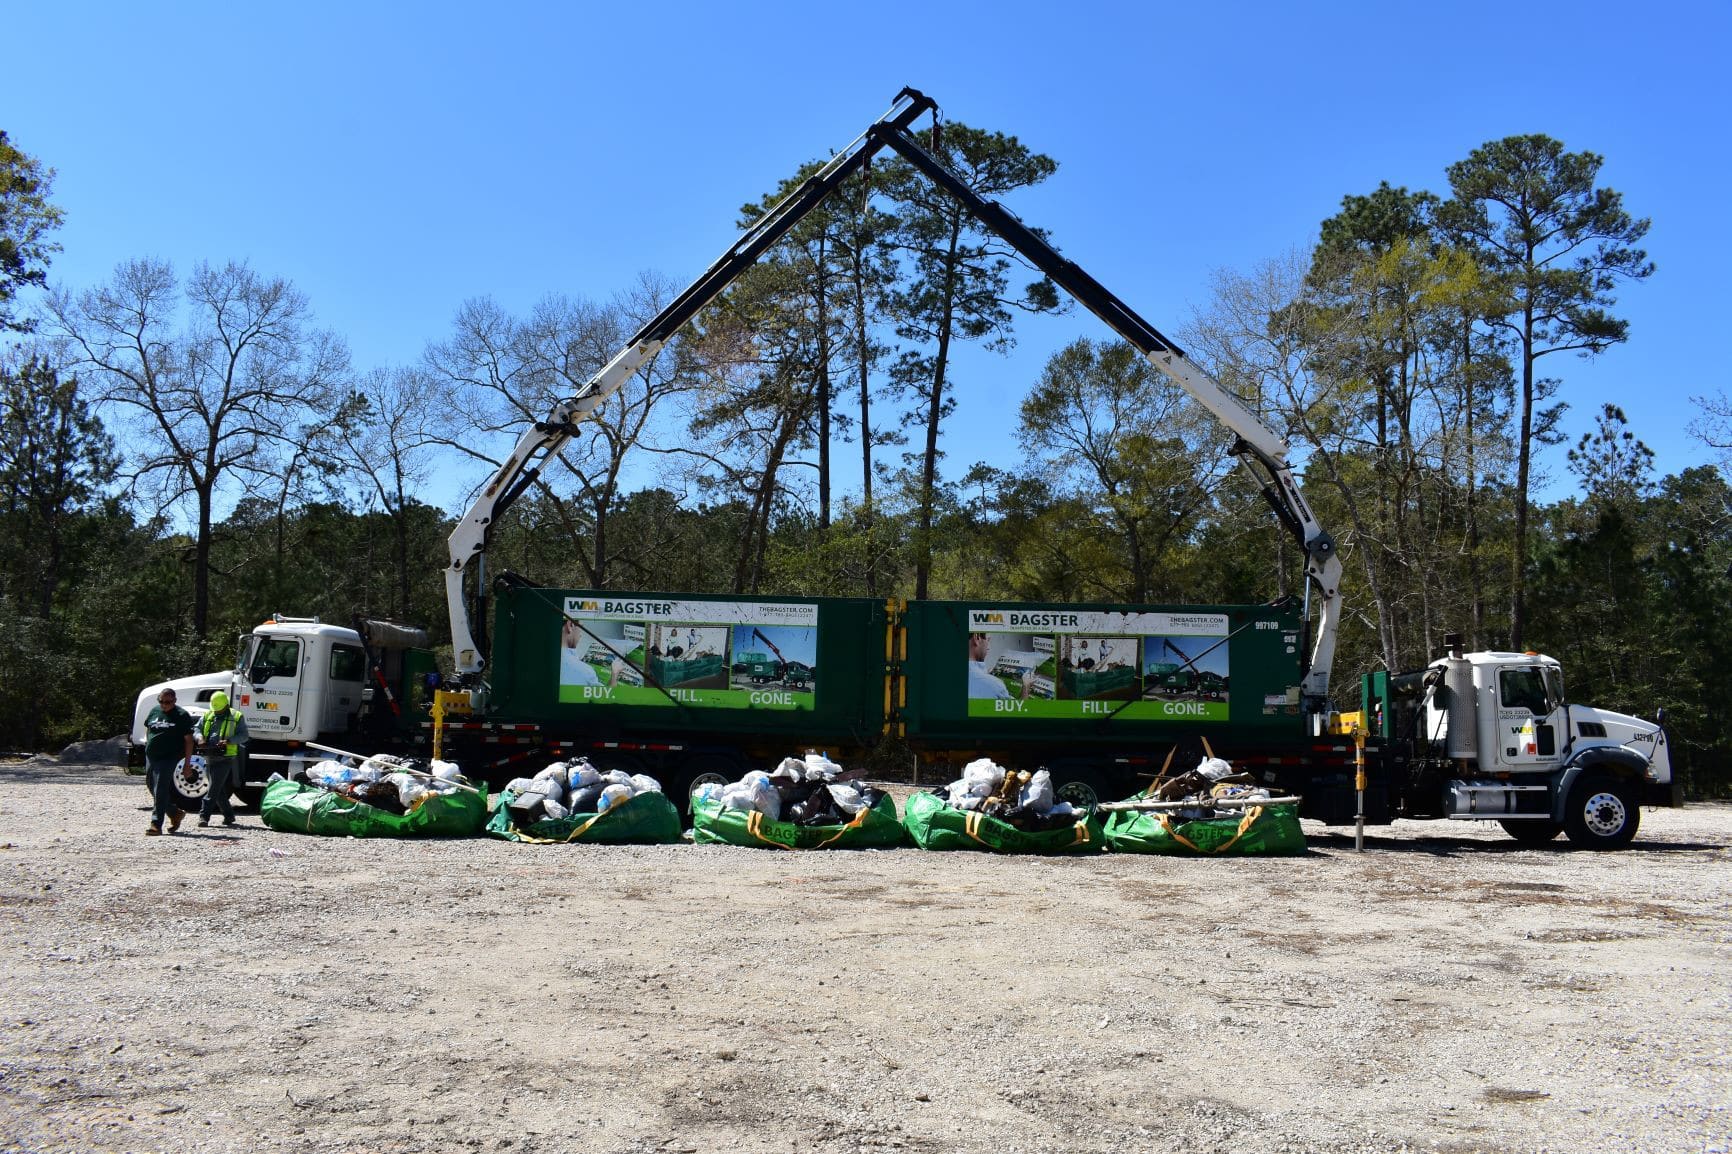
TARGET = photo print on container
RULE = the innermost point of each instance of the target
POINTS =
(779, 656)
(1099, 668)
(671, 652)
(681, 655)
(1188, 668)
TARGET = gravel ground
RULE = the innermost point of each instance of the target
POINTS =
(1448, 990)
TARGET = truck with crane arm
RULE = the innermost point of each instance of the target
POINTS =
(1483, 736)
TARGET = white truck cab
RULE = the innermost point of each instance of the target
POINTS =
(192, 694)
(1519, 753)
(296, 678)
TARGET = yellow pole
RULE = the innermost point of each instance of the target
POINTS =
(1359, 786)
(438, 724)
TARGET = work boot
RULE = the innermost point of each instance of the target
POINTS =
(229, 821)
(174, 820)
(203, 822)
(152, 831)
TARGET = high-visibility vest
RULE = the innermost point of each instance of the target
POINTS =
(225, 730)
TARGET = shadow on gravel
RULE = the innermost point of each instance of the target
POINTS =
(1451, 846)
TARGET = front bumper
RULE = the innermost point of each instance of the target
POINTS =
(1669, 794)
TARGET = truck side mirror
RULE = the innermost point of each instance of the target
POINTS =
(1660, 715)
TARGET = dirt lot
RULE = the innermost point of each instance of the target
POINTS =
(254, 991)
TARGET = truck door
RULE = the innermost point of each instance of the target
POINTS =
(347, 677)
(1527, 718)
(274, 680)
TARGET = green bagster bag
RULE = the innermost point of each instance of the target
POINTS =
(935, 825)
(645, 819)
(296, 807)
(1262, 830)
(874, 827)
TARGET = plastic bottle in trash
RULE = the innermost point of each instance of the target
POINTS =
(612, 796)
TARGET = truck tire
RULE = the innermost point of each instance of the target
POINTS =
(1532, 832)
(1081, 787)
(1602, 812)
(701, 770)
(191, 794)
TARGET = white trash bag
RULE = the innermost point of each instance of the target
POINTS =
(822, 768)
(1037, 795)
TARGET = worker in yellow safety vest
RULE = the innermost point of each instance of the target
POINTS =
(221, 734)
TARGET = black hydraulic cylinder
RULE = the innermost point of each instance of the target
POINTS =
(788, 212)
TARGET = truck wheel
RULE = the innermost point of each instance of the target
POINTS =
(1602, 813)
(706, 769)
(191, 782)
(1532, 832)
(1080, 789)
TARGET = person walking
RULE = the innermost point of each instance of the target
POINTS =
(170, 728)
(221, 733)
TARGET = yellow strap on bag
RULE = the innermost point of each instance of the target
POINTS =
(525, 835)
(754, 826)
(971, 826)
(1245, 824)
(854, 823)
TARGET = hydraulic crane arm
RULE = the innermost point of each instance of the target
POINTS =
(544, 439)
(759, 634)
(1258, 447)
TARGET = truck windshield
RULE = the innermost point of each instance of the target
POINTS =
(275, 657)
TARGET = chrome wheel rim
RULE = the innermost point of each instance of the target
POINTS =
(195, 789)
(1605, 814)
(1080, 794)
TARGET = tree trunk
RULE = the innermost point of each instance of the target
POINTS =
(402, 552)
(1475, 582)
(823, 281)
(863, 349)
(934, 414)
(1524, 456)
(201, 564)
(749, 569)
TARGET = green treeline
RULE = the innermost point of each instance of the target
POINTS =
(184, 454)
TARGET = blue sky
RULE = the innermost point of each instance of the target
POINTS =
(395, 166)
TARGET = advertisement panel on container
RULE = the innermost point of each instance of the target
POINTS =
(1049, 663)
(668, 652)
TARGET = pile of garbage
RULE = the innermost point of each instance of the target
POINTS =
(1017, 797)
(806, 791)
(394, 784)
(1200, 791)
(379, 796)
(1208, 810)
(567, 788)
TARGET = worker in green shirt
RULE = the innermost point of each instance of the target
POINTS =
(221, 734)
(170, 728)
